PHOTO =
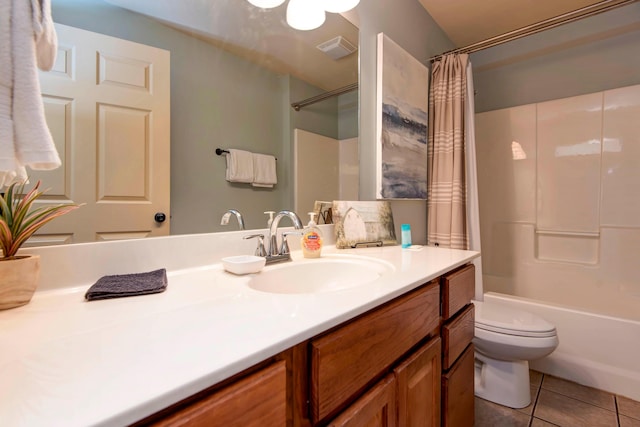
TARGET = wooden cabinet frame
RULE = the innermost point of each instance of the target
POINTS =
(383, 368)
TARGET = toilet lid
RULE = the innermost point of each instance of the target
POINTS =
(503, 319)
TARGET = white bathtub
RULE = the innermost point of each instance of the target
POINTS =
(595, 350)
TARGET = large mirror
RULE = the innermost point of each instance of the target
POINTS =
(234, 72)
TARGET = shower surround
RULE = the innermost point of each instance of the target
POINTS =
(559, 186)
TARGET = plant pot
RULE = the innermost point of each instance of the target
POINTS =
(18, 280)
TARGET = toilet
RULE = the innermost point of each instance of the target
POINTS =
(505, 340)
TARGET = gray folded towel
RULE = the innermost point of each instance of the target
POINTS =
(126, 285)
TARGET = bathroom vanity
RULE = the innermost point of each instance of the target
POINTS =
(385, 367)
(211, 350)
(348, 373)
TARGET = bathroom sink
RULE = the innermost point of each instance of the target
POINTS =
(325, 274)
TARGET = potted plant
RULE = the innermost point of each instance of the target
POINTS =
(19, 274)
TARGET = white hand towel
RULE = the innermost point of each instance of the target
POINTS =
(45, 34)
(264, 171)
(17, 175)
(239, 166)
(8, 161)
(30, 33)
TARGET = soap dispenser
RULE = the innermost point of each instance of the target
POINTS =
(311, 241)
(270, 220)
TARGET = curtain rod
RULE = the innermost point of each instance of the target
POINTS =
(298, 105)
(538, 27)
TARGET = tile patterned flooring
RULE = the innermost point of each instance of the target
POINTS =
(558, 402)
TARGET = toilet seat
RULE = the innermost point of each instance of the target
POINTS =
(504, 320)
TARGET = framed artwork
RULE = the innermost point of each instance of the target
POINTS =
(401, 123)
(363, 223)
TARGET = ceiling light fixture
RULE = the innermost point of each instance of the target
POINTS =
(308, 14)
(305, 14)
(266, 4)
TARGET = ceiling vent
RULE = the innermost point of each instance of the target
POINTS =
(337, 48)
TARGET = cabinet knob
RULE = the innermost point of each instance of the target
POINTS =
(159, 217)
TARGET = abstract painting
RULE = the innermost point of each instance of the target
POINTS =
(402, 119)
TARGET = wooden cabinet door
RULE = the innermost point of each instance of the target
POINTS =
(418, 387)
(376, 408)
(458, 400)
(255, 401)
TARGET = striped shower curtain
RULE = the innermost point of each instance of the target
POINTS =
(446, 207)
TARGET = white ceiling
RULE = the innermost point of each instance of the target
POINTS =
(470, 21)
(260, 35)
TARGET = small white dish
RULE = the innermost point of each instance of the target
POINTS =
(243, 264)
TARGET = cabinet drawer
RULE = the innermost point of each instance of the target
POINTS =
(458, 408)
(345, 360)
(457, 333)
(458, 288)
(257, 400)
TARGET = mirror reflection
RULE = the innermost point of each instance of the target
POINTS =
(231, 72)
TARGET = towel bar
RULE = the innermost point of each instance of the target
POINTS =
(220, 152)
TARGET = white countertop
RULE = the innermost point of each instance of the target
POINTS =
(68, 362)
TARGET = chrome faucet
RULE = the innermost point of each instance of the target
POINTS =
(260, 250)
(227, 215)
(273, 255)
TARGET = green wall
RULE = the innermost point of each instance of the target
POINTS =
(407, 23)
(591, 55)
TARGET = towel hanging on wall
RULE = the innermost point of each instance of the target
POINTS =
(264, 171)
(239, 166)
(28, 41)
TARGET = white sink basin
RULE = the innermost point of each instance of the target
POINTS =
(325, 274)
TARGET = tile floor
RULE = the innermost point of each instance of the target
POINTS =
(557, 402)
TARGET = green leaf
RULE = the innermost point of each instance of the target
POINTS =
(19, 220)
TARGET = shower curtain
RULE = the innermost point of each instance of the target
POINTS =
(446, 220)
(453, 219)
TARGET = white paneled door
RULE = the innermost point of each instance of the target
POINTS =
(107, 105)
